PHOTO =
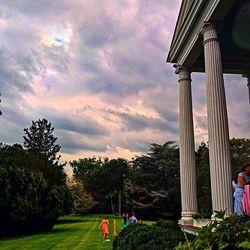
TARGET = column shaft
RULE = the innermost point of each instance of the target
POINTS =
(187, 150)
(219, 150)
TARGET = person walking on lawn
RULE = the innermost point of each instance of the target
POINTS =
(105, 227)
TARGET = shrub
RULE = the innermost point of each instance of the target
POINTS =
(33, 191)
(173, 226)
(141, 236)
(167, 224)
(230, 233)
(28, 203)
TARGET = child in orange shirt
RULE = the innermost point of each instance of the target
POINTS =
(105, 227)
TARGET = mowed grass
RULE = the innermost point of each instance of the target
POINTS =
(70, 232)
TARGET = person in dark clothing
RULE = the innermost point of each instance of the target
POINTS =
(125, 220)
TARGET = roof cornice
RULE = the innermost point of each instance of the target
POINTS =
(186, 37)
(184, 30)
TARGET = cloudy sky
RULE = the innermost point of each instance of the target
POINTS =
(96, 70)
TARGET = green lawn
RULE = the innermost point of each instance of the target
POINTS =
(71, 232)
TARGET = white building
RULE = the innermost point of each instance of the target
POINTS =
(211, 36)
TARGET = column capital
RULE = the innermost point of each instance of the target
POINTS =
(183, 72)
(209, 32)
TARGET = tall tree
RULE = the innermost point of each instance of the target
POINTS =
(84, 168)
(39, 139)
(43, 151)
(155, 187)
(104, 178)
(116, 172)
(89, 172)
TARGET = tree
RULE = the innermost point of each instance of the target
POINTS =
(88, 171)
(83, 201)
(39, 139)
(203, 181)
(155, 184)
(104, 179)
(84, 168)
(29, 201)
(240, 153)
(33, 183)
(13, 155)
(115, 174)
(43, 151)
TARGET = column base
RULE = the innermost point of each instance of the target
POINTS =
(187, 218)
(213, 217)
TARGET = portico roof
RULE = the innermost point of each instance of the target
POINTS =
(232, 19)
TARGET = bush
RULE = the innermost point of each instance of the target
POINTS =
(228, 234)
(167, 224)
(28, 203)
(141, 236)
(173, 225)
(33, 191)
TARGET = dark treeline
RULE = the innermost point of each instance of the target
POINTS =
(35, 190)
(148, 184)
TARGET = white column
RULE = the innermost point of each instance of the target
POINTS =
(218, 134)
(187, 150)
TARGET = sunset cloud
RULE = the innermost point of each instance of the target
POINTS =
(97, 71)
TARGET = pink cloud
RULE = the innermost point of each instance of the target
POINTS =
(109, 71)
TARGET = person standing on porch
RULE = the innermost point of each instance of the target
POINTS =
(243, 179)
